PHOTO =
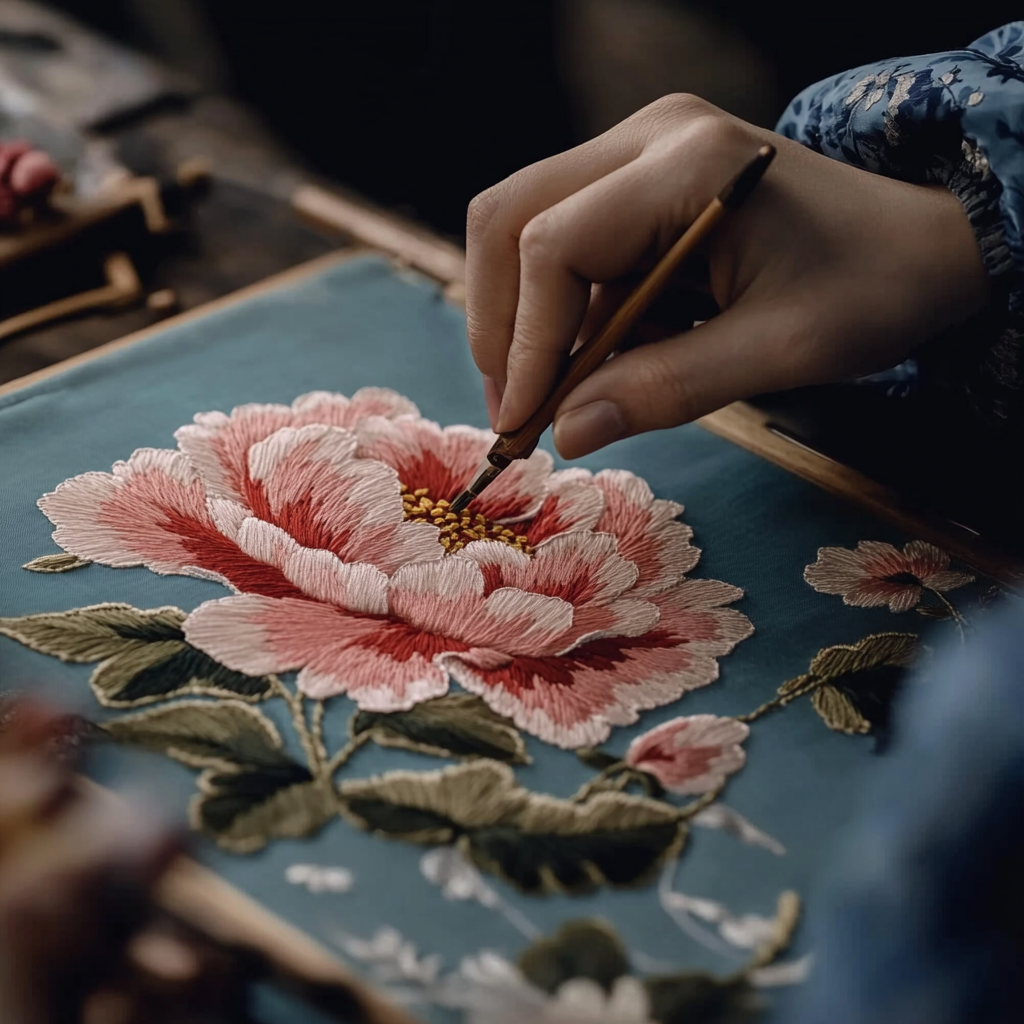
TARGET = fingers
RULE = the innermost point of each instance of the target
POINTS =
(749, 349)
(495, 221)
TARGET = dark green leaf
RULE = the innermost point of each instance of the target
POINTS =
(61, 561)
(579, 949)
(93, 633)
(559, 861)
(414, 824)
(244, 810)
(597, 759)
(170, 668)
(838, 712)
(456, 725)
(698, 998)
(203, 734)
(143, 654)
(856, 684)
(538, 843)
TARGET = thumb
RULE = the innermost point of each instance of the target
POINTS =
(747, 350)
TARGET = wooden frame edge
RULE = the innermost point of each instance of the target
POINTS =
(272, 283)
(749, 428)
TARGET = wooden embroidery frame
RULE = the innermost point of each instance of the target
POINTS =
(224, 912)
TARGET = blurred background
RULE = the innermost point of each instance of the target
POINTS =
(420, 104)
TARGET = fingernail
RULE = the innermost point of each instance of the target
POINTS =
(589, 427)
(492, 395)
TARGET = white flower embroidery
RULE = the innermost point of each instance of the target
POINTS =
(491, 990)
(392, 958)
(447, 868)
(320, 879)
(733, 823)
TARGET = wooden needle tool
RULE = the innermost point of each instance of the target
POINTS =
(521, 442)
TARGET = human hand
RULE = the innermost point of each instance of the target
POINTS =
(827, 271)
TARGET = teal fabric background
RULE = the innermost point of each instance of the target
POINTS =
(361, 323)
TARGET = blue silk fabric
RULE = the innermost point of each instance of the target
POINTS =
(360, 323)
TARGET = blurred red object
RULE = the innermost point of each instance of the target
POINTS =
(27, 177)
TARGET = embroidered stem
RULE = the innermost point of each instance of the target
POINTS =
(346, 752)
(780, 700)
(600, 782)
(698, 805)
(954, 613)
(298, 713)
(317, 730)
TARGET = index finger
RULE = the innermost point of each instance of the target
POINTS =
(495, 221)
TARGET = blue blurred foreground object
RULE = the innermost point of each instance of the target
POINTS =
(924, 920)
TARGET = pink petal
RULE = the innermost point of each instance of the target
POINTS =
(837, 570)
(151, 510)
(924, 559)
(318, 574)
(947, 580)
(903, 599)
(647, 531)
(308, 481)
(572, 502)
(693, 613)
(371, 660)
(577, 567)
(582, 569)
(339, 411)
(445, 460)
(219, 445)
(574, 700)
(691, 755)
(446, 599)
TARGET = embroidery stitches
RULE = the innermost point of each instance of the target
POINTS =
(560, 600)
(875, 574)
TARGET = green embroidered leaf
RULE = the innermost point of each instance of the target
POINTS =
(838, 712)
(170, 668)
(94, 633)
(882, 649)
(61, 561)
(854, 685)
(698, 998)
(864, 680)
(538, 843)
(143, 654)
(244, 810)
(202, 734)
(456, 725)
(579, 949)
(598, 759)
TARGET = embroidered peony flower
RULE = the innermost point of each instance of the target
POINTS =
(691, 755)
(559, 597)
(875, 573)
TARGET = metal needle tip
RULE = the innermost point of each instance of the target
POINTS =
(486, 475)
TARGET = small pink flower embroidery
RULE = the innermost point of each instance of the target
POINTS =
(559, 598)
(691, 755)
(875, 573)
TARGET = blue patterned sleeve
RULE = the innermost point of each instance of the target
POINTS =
(957, 119)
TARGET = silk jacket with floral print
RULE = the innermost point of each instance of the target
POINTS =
(955, 118)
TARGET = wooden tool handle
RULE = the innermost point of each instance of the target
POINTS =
(520, 443)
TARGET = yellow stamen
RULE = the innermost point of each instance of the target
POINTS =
(456, 530)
